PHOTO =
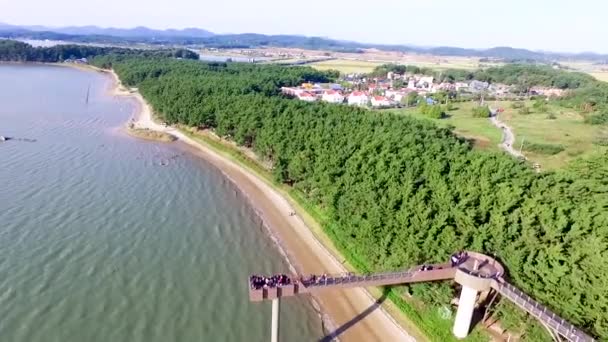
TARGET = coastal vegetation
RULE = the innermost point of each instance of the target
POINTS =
(148, 134)
(399, 191)
(14, 51)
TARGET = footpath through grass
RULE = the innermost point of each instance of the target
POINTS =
(425, 323)
(561, 133)
(557, 127)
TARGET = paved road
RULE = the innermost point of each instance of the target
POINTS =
(508, 138)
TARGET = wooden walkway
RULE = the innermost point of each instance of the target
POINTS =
(476, 266)
(550, 320)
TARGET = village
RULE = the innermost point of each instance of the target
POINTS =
(398, 90)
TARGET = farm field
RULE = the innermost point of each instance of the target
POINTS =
(600, 72)
(368, 61)
(347, 66)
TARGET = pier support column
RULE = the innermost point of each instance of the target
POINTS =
(274, 333)
(466, 305)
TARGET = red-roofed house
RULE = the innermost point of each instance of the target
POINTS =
(380, 101)
(306, 96)
(333, 96)
(358, 98)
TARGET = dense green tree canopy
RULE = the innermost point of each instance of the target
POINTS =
(401, 191)
(15, 51)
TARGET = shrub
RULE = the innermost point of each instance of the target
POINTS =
(481, 112)
(432, 111)
(597, 119)
(601, 139)
(540, 106)
(517, 105)
(548, 149)
(524, 110)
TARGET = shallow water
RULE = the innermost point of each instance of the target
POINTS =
(99, 242)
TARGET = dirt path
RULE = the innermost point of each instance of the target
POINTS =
(351, 315)
(508, 138)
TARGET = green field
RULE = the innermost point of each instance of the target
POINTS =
(346, 66)
(481, 131)
(567, 129)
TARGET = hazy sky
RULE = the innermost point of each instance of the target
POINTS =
(557, 25)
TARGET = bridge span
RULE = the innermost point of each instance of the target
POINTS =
(475, 272)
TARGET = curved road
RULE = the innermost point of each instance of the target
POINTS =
(508, 138)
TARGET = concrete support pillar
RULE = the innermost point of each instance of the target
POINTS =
(274, 334)
(466, 305)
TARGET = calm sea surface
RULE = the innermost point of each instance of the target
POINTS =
(99, 242)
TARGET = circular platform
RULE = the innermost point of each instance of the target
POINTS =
(478, 271)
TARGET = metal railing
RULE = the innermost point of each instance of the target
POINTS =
(346, 278)
(547, 317)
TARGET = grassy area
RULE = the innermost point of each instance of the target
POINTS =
(484, 134)
(563, 136)
(567, 129)
(600, 72)
(423, 323)
(346, 66)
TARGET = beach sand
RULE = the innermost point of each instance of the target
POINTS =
(350, 315)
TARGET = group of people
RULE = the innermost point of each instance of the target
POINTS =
(258, 282)
(458, 258)
(313, 279)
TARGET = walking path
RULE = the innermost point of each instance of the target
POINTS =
(508, 138)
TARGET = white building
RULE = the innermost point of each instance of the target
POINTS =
(425, 82)
(461, 86)
(411, 84)
(333, 96)
(380, 101)
(358, 98)
(400, 95)
(306, 96)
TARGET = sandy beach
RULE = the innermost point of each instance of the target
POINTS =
(350, 315)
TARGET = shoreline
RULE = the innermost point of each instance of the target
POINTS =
(341, 310)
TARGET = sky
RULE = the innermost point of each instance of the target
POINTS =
(552, 25)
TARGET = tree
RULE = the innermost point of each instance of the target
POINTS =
(410, 99)
(481, 112)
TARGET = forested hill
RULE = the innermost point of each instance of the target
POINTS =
(401, 192)
(14, 51)
(255, 40)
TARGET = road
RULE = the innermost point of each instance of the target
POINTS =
(508, 138)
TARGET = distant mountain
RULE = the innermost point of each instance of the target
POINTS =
(136, 32)
(194, 36)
